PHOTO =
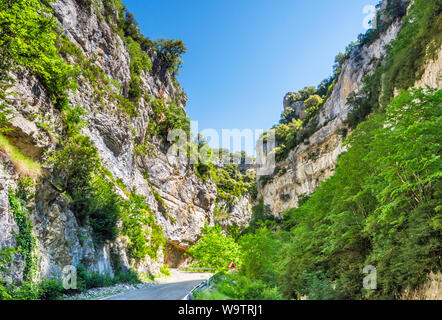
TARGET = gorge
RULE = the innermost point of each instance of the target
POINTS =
(87, 179)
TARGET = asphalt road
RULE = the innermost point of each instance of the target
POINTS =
(174, 288)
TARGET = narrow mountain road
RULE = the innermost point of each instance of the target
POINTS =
(174, 288)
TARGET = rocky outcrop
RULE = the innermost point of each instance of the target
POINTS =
(235, 214)
(8, 225)
(432, 75)
(296, 107)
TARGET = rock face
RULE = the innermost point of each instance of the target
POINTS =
(310, 163)
(237, 214)
(297, 107)
(433, 73)
(61, 240)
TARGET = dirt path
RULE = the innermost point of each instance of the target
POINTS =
(174, 288)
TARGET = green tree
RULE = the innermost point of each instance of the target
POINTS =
(312, 103)
(260, 255)
(77, 170)
(215, 249)
(171, 52)
(74, 163)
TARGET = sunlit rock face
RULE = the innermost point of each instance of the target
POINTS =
(236, 214)
(61, 239)
(314, 161)
(189, 203)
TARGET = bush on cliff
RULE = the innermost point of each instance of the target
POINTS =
(76, 170)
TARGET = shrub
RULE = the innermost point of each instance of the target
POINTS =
(74, 163)
(145, 235)
(319, 287)
(212, 294)
(139, 61)
(25, 239)
(130, 277)
(50, 289)
(28, 290)
(77, 170)
(312, 103)
(4, 294)
(28, 39)
(87, 280)
(175, 118)
(165, 270)
(229, 182)
(73, 119)
(262, 216)
(167, 117)
(103, 209)
(135, 91)
(235, 286)
(215, 249)
(171, 51)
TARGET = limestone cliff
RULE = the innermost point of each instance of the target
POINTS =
(187, 202)
(314, 160)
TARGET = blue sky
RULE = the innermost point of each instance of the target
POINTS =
(244, 55)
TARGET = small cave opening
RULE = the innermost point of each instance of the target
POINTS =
(176, 255)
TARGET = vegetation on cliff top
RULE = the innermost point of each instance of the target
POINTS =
(416, 43)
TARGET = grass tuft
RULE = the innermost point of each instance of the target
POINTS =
(24, 165)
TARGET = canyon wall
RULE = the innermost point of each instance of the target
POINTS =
(314, 160)
(188, 202)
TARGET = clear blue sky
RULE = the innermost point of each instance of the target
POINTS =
(244, 55)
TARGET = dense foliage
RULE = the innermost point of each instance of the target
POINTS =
(231, 183)
(139, 225)
(167, 116)
(215, 249)
(139, 61)
(385, 208)
(256, 255)
(25, 246)
(27, 38)
(77, 171)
